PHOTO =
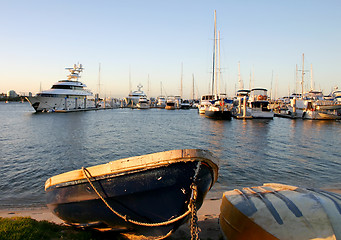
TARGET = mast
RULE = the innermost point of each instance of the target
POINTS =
(312, 87)
(181, 80)
(99, 79)
(218, 83)
(148, 86)
(213, 61)
(241, 84)
(296, 80)
(161, 87)
(129, 80)
(302, 73)
(215, 54)
(272, 78)
(193, 86)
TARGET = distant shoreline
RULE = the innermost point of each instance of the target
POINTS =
(13, 99)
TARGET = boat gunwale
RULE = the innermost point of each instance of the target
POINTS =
(138, 163)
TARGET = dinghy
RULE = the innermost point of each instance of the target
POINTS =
(276, 211)
(150, 195)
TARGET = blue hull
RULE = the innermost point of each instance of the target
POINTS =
(148, 196)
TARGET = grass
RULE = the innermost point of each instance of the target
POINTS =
(26, 228)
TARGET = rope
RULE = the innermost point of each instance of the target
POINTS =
(124, 217)
(194, 228)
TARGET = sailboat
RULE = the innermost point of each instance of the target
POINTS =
(312, 105)
(221, 107)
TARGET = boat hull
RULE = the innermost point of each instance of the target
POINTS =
(41, 104)
(319, 115)
(276, 211)
(260, 114)
(147, 195)
(168, 107)
(219, 115)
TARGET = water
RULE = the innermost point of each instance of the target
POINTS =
(34, 147)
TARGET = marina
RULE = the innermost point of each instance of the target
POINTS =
(39, 146)
(173, 121)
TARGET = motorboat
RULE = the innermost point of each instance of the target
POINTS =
(134, 97)
(205, 102)
(185, 104)
(178, 101)
(161, 102)
(277, 211)
(150, 195)
(220, 109)
(258, 104)
(65, 95)
(314, 106)
(143, 103)
(170, 103)
(240, 103)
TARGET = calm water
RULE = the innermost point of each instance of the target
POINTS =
(34, 147)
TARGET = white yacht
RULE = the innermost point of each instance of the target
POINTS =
(314, 106)
(205, 102)
(143, 103)
(161, 102)
(258, 104)
(170, 103)
(134, 97)
(64, 95)
(240, 103)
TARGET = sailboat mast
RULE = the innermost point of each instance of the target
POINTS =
(215, 52)
(218, 83)
(241, 85)
(161, 87)
(181, 80)
(213, 61)
(193, 87)
(302, 73)
(311, 78)
(148, 86)
(99, 79)
(296, 80)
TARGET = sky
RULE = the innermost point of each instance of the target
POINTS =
(157, 43)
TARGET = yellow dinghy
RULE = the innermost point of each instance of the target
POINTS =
(276, 211)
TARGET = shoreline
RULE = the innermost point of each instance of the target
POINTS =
(208, 218)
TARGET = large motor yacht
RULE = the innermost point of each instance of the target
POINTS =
(64, 95)
(134, 96)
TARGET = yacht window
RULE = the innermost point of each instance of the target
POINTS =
(61, 87)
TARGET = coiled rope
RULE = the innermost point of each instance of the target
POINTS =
(191, 205)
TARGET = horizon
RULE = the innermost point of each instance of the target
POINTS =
(151, 42)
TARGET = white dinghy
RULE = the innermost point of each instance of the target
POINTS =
(276, 211)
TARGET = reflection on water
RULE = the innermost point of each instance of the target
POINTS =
(34, 147)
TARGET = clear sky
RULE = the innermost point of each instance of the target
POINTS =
(153, 39)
